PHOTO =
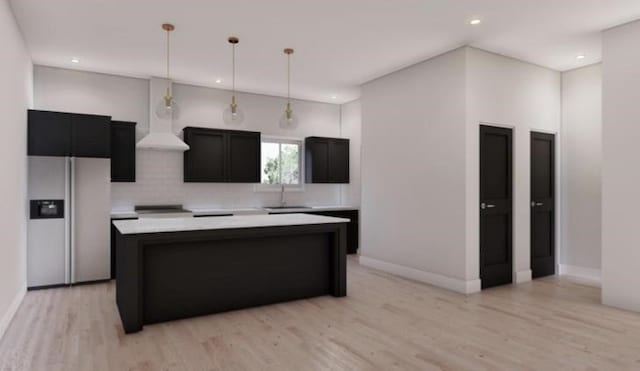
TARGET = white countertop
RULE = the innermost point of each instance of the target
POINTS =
(213, 211)
(312, 209)
(123, 214)
(141, 226)
(127, 214)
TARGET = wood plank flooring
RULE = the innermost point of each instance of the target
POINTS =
(385, 323)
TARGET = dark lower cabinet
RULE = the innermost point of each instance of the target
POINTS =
(123, 151)
(327, 160)
(221, 156)
(353, 228)
(68, 134)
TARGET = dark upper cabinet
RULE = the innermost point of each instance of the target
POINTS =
(123, 151)
(327, 160)
(90, 136)
(49, 133)
(217, 155)
(68, 134)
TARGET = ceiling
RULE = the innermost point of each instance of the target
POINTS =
(339, 44)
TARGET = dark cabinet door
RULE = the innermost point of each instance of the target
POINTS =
(123, 151)
(90, 136)
(543, 252)
(205, 161)
(317, 160)
(339, 161)
(49, 133)
(243, 157)
(496, 253)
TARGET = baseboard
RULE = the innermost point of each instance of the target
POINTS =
(11, 311)
(453, 284)
(585, 276)
(524, 276)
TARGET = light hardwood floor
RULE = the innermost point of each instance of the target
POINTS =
(385, 323)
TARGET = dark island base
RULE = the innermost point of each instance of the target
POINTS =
(167, 276)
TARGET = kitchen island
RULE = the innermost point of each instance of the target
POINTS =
(177, 268)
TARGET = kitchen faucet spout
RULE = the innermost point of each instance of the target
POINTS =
(283, 202)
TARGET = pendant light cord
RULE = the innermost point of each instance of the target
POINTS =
(233, 68)
(168, 61)
(288, 78)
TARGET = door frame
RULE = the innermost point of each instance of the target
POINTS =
(513, 129)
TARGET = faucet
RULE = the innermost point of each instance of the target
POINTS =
(283, 203)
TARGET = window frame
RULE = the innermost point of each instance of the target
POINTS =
(262, 187)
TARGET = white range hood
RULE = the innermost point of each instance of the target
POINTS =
(161, 135)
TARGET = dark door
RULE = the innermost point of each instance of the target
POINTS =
(244, 157)
(205, 160)
(317, 156)
(123, 151)
(495, 206)
(339, 161)
(90, 136)
(49, 133)
(543, 260)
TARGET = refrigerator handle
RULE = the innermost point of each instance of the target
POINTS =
(67, 221)
(72, 219)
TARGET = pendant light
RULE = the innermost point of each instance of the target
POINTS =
(167, 107)
(289, 120)
(233, 115)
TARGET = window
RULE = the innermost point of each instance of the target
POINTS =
(281, 162)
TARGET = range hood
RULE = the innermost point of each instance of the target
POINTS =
(161, 135)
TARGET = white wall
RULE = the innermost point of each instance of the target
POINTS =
(123, 98)
(582, 172)
(620, 173)
(507, 92)
(420, 161)
(159, 173)
(413, 178)
(15, 98)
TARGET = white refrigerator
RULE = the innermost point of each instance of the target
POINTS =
(68, 235)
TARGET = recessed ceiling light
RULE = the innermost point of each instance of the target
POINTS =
(334, 97)
(475, 21)
(580, 56)
(75, 60)
(218, 81)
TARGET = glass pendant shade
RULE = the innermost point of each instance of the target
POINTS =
(167, 108)
(288, 120)
(233, 115)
